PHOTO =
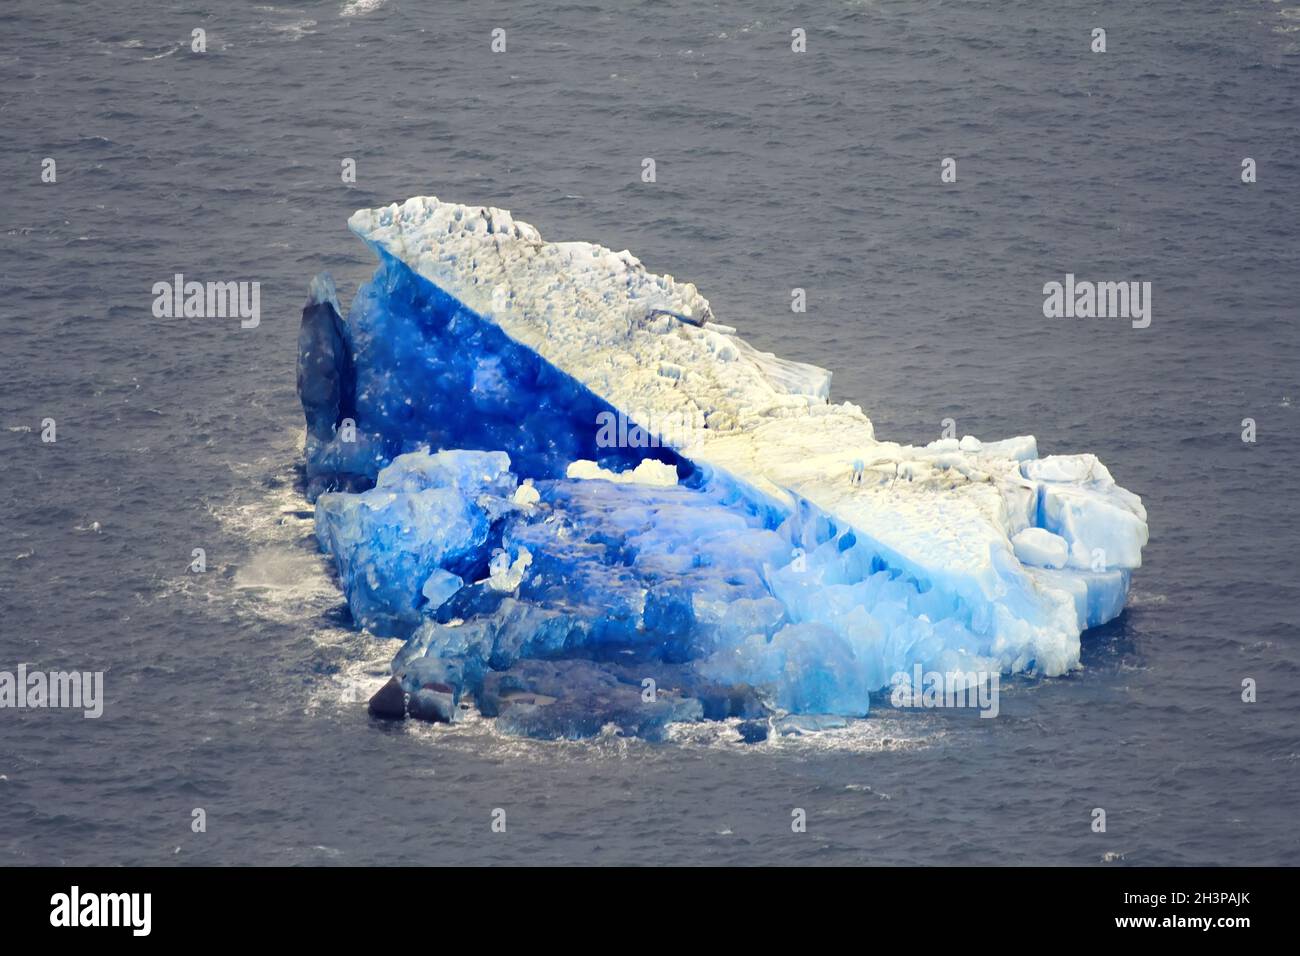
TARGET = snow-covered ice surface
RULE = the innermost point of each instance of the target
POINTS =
(565, 481)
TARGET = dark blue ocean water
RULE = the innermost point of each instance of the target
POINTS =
(241, 691)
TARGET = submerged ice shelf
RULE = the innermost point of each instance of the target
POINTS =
(582, 501)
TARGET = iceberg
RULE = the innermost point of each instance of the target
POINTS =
(583, 502)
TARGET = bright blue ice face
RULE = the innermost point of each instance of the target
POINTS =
(426, 371)
(630, 568)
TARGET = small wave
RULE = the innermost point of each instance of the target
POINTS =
(1145, 599)
(167, 52)
(359, 8)
(1292, 16)
(877, 734)
(295, 30)
(865, 788)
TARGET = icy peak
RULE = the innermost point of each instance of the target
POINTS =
(643, 342)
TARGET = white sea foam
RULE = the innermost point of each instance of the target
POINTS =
(359, 8)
